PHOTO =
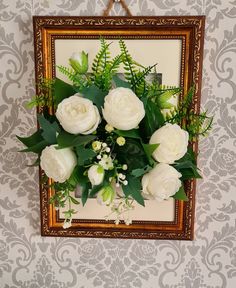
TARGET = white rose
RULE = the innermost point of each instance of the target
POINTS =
(161, 182)
(78, 115)
(96, 174)
(58, 164)
(173, 143)
(123, 109)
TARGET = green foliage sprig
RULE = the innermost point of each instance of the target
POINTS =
(197, 124)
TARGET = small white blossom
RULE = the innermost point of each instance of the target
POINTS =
(106, 162)
(120, 141)
(96, 145)
(109, 128)
(67, 223)
(124, 167)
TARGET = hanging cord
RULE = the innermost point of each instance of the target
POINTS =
(110, 4)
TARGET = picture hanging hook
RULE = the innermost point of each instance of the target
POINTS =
(110, 4)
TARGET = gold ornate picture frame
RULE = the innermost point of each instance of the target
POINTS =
(56, 37)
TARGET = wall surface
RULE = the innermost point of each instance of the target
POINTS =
(30, 261)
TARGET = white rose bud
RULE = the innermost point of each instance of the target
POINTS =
(173, 143)
(96, 174)
(106, 195)
(123, 109)
(161, 182)
(79, 62)
(78, 115)
(58, 164)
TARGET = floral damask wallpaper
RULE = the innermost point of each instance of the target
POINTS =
(31, 261)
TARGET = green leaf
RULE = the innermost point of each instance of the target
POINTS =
(153, 119)
(134, 133)
(95, 189)
(73, 200)
(49, 129)
(134, 189)
(84, 154)
(119, 82)
(187, 166)
(77, 177)
(132, 154)
(31, 140)
(149, 149)
(189, 173)
(65, 139)
(94, 94)
(37, 148)
(85, 193)
(180, 195)
(141, 171)
(62, 90)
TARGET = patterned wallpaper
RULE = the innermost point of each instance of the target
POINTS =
(30, 261)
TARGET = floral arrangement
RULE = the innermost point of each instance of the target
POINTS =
(121, 140)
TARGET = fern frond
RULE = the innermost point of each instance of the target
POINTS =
(128, 62)
(142, 74)
(101, 58)
(68, 72)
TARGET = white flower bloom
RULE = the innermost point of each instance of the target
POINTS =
(96, 145)
(173, 143)
(106, 195)
(58, 164)
(109, 128)
(161, 182)
(123, 109)
(128, 220)
(78, 115)
(120, 141)
(96, 174)
(106, 162)
(67, 223)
